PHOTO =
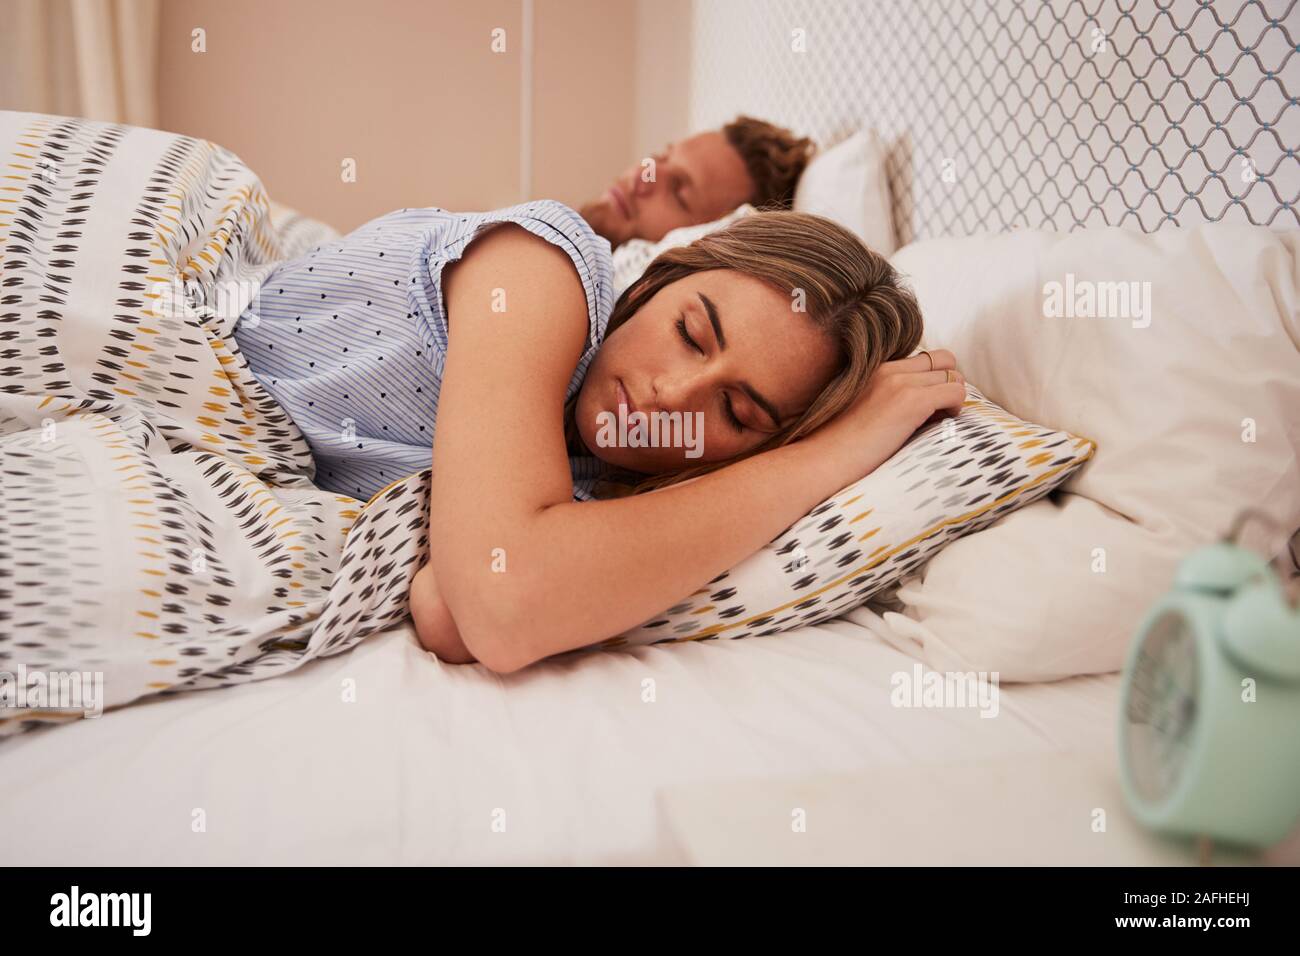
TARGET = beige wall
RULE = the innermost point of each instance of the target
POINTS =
(585, 99)
(411, 90)
(663, 72)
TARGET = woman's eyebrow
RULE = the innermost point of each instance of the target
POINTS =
(712, 311)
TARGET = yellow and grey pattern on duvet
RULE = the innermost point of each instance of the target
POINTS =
(159, 522)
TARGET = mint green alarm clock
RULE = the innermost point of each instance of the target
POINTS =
(1210, 702)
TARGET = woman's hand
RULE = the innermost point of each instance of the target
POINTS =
(434, 624)
(901, 396)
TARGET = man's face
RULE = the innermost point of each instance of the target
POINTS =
(691, 181)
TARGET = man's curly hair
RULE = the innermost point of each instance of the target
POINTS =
(774, 157)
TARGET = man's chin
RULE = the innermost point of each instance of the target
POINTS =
(601, 220)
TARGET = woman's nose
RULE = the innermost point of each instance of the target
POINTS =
(679, 392)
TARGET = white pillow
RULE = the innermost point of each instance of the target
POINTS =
(1059, 587)
(847, 184)
(633, 256)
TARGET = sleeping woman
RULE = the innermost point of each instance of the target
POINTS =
(774, 353)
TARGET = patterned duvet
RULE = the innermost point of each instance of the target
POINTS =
(158, 523)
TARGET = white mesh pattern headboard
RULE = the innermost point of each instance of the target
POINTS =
(1056, 114)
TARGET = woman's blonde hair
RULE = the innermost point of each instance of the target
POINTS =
(850, 292)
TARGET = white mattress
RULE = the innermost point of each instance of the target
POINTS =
(568, 753)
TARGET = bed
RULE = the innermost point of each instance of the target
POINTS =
(429, 755)
(363, 749)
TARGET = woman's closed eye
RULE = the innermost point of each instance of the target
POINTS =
(686, 335)
(736, 423)
(728, 409)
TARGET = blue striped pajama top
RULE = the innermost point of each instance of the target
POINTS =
(351, 338)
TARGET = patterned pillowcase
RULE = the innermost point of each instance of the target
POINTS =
(955, 476)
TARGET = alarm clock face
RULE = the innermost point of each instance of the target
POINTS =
(1160, 715)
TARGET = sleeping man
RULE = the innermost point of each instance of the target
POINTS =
(700, 179)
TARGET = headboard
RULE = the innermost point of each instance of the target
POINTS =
(1057, 114)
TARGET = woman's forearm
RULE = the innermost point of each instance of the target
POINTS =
(579, 572)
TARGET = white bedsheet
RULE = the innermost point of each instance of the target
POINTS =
(419, 767)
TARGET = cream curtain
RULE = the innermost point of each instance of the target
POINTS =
(91, 58)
